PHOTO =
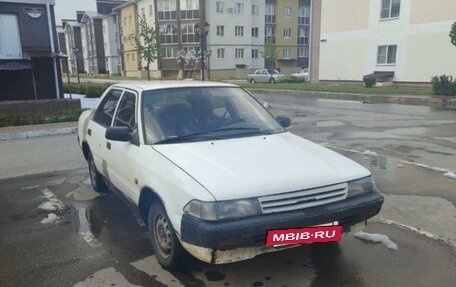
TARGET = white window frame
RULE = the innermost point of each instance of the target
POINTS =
(239, 31)
(270, 9)
(286, 53)
(386, 55)
(220, 30)
(238, 8)
(255, 32)
(239, 53)
(255, 53)
(287, 12)
(10, 43)
(219, 6)
(303, 52)
(168, 53)
(390, 9)
(255, 10)
(221, 53)
(287, 33)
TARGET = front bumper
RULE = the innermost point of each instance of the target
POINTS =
(252, 231)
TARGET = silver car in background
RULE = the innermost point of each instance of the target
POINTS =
(265, 76)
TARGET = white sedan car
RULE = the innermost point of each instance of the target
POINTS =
(213, 174)
(271, 76)
(303, 73)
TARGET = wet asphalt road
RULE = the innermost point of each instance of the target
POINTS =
(99, 240)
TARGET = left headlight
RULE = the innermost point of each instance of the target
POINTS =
(361, 186)
(220, 210)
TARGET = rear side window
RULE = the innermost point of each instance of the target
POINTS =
(105, 111)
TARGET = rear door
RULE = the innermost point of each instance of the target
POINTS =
(96, 129)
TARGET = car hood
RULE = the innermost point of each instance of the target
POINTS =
(261, 165)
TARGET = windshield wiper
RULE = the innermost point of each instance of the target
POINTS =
(182, 138)
(236, 129)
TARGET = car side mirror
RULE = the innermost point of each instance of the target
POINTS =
(121, 134)
(285, 122)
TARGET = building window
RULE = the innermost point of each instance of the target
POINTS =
(10, 42)
(287, 12)
(168, 34)
(239, 53)
(128, 57)
(125, 21)
(255, 10)
(303, 35)
(219, 6)
(129, 19)
(143, 12)
(220, 30)
(255, 53)
(286, 53)
(133, 57)
(239, 31)
(166, 9)
(270, 9)
(239, 8)
(189, 5)
(221, 53)
(168, 53)
(287, 33)
(151, 10)
(255, 32)
(304, 15)
(386, 55)
(390, 9)
(269, 31)
(303, 52)
(188, 34)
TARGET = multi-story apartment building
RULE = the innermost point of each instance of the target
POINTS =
(92, 43)
(236, 37)
(146, 10)
(73, 46)
(127, 18)
(404, 40)
(111, 39)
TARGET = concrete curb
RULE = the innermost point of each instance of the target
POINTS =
(398, 99)
(37, 133)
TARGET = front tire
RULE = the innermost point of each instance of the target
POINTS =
(96, 178)
(167, 248)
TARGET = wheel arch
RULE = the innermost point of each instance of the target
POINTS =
(85, 150)
(146, 198)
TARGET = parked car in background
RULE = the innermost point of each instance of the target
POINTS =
(303, 73)
(265, 76)
(212, 172)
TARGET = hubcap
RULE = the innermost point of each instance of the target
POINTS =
(163, 236)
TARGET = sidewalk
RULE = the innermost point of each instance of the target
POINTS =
(31, 131)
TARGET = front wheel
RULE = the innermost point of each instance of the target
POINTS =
(96, 178)
(167, 248)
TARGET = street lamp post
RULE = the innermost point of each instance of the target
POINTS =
(202, 34)
(75, 53)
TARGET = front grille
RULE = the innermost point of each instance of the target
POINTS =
(301, 199)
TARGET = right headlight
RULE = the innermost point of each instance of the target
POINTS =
(228, 209)
(361, 186)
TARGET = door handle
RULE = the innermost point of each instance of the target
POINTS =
(89, 132)
(108, 145)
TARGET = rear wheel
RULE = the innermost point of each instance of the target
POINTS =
(168, 250)
(96, 178)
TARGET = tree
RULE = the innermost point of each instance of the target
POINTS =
(148, 43)
(270, 51)
(453, 34)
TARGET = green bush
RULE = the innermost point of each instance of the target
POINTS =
(293, 79)
(91, 90)
(369, 81)
(444, 85)
(22, 119)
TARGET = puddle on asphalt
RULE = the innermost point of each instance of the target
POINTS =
(84, 223)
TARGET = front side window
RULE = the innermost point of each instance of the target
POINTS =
(126, 111)
(390, 9)
(386, 55)
(105, 112)
(199, 114)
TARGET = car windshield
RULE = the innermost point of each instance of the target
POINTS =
(203, 113)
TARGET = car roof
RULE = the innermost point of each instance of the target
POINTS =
(158, 85)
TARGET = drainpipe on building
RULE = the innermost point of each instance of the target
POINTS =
(310, 41)
(54, 60)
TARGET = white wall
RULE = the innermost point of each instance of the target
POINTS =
(66, 9)
(423, 49)
(144, 4)
(111, 44)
